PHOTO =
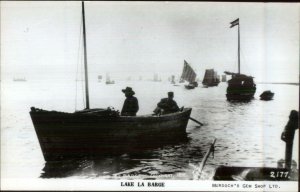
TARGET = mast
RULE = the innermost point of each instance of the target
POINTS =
(239, 64)
(87, 106)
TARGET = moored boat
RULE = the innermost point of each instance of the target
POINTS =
(241, 87)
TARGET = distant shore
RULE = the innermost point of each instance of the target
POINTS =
(278, 83)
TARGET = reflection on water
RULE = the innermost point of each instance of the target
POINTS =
(248, 134)
(165, 161)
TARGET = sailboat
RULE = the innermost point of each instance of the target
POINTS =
(223, 78)
(99, 78)
(172, 79)
(20, 79)
(240, 87)
(92, 133)
(156, 78)
(188, 74)
(211, 78)
(108, 80)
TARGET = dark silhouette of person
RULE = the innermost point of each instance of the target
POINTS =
(131, 104)
(288, 137)
(167, 105)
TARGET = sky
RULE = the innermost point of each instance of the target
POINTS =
(43, 40)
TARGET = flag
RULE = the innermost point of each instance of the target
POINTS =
(234, 23)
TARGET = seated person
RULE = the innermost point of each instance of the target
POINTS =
(167, 105)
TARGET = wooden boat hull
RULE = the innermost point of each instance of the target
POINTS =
(71, 135)
(240, 94)
(240, 87)
(267, 96)
(212, 84)
(189, 86)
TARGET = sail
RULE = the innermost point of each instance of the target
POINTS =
(210, 76)
(188, 73)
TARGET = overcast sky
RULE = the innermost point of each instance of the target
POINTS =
(43, 39)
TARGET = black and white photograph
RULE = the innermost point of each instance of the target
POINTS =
(168, 96)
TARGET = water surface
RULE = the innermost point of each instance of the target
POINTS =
(248, 134)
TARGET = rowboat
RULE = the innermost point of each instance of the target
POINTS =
(99, 132)
(267, 95)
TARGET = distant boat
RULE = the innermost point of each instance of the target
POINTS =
(172, 79)
(223, 78)
(20, 79)
(156, 78)
(108, 80)
(93, 133)
(267, 95)
(240, 87)
(211, 78)
(188, 74)
(99, 78)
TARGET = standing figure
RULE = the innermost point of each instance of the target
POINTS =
(131, 104)
(288, 137)
(167, 105)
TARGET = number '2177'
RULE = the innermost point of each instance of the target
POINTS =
(279, 174)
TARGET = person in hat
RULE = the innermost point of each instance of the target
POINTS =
(288, 136)
(167, 105)
(131, 104)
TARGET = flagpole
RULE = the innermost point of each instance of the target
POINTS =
(239, 48)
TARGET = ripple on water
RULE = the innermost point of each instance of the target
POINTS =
(241, 129)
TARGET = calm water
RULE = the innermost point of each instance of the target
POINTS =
(248, 134)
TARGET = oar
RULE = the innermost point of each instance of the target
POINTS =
(211, 149)
(196, 121)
